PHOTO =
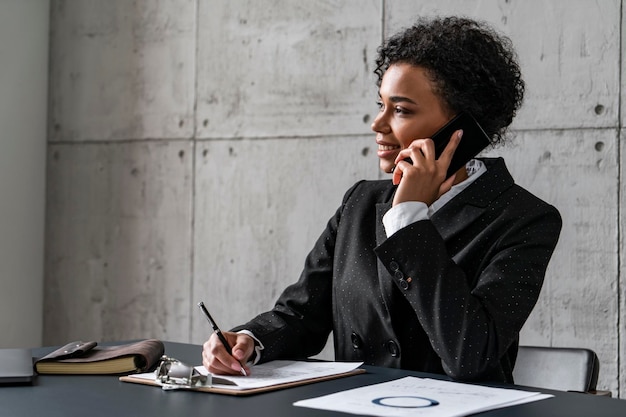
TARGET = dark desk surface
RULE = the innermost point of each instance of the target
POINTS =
(68, 396)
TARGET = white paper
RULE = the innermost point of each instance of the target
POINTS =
(412, 396)
(280, 372)
(273, 373)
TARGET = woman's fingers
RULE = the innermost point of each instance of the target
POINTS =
(423, 177)
(216, 358)
(446, 155)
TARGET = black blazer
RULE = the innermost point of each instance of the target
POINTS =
(445, 295)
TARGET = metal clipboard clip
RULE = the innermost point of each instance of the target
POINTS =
(174, 374)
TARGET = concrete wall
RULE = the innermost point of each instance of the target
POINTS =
(197, 148)
(23, 110)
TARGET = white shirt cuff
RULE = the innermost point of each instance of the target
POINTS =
(404, 214)
(258, 347)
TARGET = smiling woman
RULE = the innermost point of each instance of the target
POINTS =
(409, 110)
(428, 272)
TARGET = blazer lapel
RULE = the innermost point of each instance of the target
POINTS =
(470, 204)
(381, 209)
(385, 280)
(453, 218)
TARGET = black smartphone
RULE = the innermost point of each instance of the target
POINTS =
(473, 141)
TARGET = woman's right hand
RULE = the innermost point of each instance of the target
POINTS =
(216, 359)
(424, 178)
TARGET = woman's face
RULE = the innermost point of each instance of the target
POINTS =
(409, 110)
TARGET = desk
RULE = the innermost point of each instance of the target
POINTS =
(69, 396)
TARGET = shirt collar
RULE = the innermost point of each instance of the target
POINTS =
(475, 168)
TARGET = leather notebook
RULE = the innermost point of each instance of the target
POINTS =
(89, 358)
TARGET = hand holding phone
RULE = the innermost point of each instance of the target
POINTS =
(428, 189)
(474, 141)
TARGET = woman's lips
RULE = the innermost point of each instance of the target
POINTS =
(387, 151)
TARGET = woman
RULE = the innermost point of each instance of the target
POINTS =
(422, 272)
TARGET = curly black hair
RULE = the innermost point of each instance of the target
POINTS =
(473, 68)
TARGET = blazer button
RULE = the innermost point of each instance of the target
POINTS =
(394, 266)
(393, 348)
(356, 341)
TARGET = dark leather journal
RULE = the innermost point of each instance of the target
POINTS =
(90, 358)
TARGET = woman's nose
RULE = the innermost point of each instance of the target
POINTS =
(380, 124)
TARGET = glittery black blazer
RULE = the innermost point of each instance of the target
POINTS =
(445, 295)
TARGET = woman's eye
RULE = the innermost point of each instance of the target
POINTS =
(380, 105)
(400, 110)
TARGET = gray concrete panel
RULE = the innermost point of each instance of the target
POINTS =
(622, 66)
(118, 242)
(620, 284)
(286, 68)
(122, 70)
(24, 28)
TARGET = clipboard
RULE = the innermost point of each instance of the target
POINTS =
(270, 385)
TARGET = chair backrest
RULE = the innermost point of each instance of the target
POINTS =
(565, 369)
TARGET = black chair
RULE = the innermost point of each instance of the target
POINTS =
(558, 368)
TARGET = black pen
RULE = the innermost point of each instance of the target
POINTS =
(219, 333)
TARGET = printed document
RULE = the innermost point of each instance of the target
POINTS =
(281, 372)
(412, 396)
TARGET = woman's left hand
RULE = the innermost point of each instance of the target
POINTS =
(425, 179)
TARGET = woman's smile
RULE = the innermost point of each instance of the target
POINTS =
(386, 151)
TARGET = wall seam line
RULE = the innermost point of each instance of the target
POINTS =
(192, 211)
(619, 203)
